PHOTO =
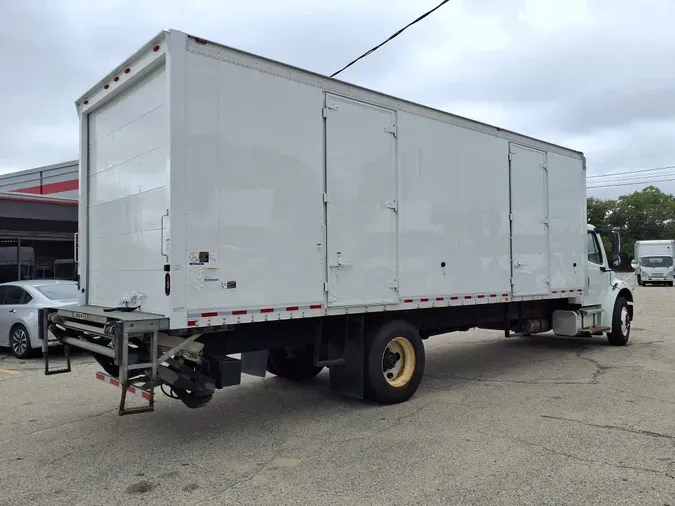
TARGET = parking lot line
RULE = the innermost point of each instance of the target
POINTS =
(10, 371)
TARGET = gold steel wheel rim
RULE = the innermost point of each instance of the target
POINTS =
(398, 362)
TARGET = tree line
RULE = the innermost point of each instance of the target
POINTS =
(642, 215)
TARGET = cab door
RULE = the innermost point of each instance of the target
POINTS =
(597, 278)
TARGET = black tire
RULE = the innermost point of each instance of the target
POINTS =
(293, 364)
(19, 341)
(620, 332)
(400, 380)
(670, 283)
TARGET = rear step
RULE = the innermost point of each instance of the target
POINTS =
(148, 395)
(79, 327)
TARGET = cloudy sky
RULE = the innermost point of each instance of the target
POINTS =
(594, 75)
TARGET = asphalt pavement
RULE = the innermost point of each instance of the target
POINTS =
(539, 420)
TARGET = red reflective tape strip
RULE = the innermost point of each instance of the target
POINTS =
(192, 323)
(467, 296)
(580, 291)
(505, 295)
(563, 291)
(239, 312)
(454, 297)
(113, 381)
(267, 310)
(492, 295)
(481, 296)
(554, 291)
(408, 301)
(49, 188)
(146, 395)
(209, 315)
(100, 376)
(424, 299)
(293, 308)
(440, 298)
(315, 306)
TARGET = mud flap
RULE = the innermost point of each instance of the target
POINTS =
(254, 363)
(347, 378)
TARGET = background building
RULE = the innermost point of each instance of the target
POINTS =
(38, 222)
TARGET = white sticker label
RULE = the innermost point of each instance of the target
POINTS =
(211, 278)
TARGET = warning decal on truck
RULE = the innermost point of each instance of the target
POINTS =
(203, 271)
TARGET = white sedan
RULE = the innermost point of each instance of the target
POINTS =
(19, 304)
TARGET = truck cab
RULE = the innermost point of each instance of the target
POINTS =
(607, 303)
(653, 262)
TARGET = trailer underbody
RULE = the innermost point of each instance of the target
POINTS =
(139, 353)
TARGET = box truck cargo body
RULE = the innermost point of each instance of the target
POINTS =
(655, 261)
(233, 204)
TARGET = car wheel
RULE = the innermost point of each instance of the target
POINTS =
(19, 340)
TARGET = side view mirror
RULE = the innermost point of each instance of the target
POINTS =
(617, 261)
(635, 264)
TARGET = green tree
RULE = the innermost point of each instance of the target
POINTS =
(642, 215)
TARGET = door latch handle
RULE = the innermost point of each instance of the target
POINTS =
(12, 310)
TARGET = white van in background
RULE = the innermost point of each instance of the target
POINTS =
(654, 261)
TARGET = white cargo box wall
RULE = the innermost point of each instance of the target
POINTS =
(270, 192)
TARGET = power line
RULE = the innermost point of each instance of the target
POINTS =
(611, 174)
(391, 37)
(621, 179)
(635, 183)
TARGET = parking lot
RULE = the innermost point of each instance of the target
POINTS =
(539, 420)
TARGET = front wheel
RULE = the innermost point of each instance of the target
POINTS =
(621, 320)
(393, 363)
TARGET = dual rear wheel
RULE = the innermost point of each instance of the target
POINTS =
(393, 363)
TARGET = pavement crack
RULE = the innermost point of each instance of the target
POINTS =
(599, 368)
(537, 381)
(245, 479)
(583, 459)
(62, 424)
(613, 427)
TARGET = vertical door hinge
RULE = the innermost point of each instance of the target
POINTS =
(393, 284)
(510, 216)
(325, 286)
(511, 281)
(391, 204)
(328, 107)
(510, 156)
(544, 166)
(325, 198)
(391, 129)
(546, 280)
(545, 221)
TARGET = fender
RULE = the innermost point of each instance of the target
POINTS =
(619, 288)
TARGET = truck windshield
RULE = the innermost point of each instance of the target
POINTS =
(657, 261)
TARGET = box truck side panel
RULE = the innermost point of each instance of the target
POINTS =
(361, 210)
(483, 203)
(429, 224)
(567, 222)
(529, 208)
(254, 189)
(454, 219)
(127, 190)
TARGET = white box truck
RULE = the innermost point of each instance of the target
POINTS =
(653, 261)
(234, 205)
